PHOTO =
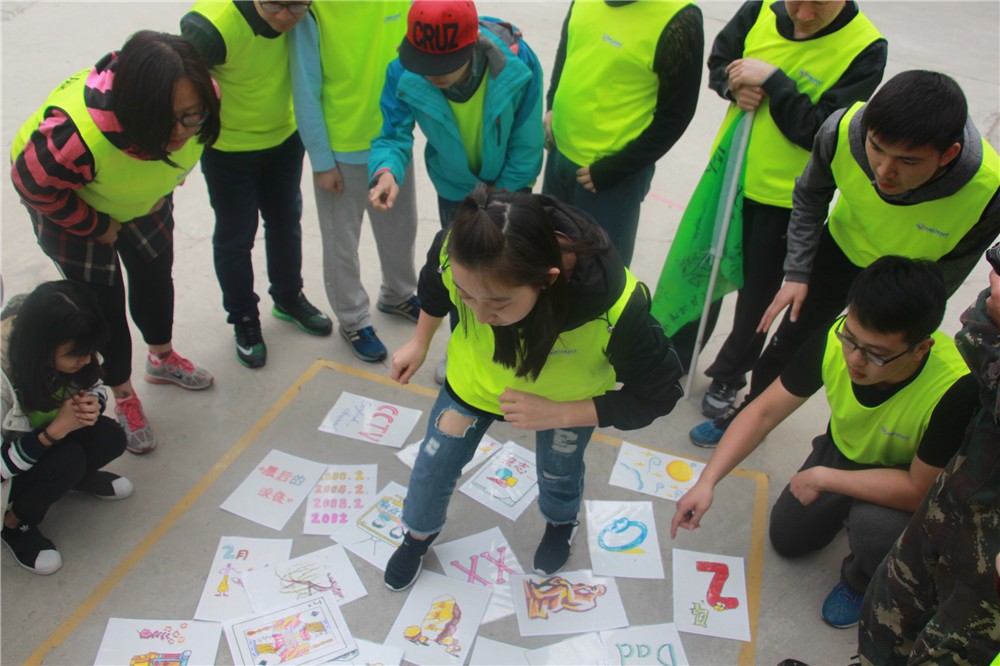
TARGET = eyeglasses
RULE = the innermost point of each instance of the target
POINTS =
(193, 119)
(870, 356)
(293, 7)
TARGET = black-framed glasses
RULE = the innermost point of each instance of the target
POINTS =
(850, 345)
(296, 8)
(193, 119)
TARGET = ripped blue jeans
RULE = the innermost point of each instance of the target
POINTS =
(558, 455)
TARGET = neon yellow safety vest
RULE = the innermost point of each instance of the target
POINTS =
(890, 433)
(357, 40)
(123, 187)
(866, 227)
(815, 65)
(577, 367)
(469, 121)
(607, 89)
(254, 81)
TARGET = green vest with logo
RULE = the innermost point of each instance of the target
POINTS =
(889, 434)
(815, 65)
(866, 227)
(358, 40)
(577, 367)
(607, 89)
(255, 85)
(123, 187)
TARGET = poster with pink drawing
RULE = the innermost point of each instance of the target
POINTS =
(484, 559)
(224, 596)
(274, 489)
(377, 530)
(131, 642)
(570, 602)
(654, 472)
(507, 482)
(338, 496)
(710, 595)
(370, 420)
(326, 570)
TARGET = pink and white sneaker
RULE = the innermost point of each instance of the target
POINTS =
(138, 437)
(175, 369)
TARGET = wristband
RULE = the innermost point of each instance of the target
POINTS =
(52, 440)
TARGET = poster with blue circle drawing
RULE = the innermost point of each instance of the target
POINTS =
(654, 472)
(621, 537)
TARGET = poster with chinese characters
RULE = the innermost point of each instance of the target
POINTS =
(571, 602)
(488, 652)
(371, 654)
(483, 559)
(582, 650)
(507, 482)
(408, 454)
(649, 645)
(312, 631)
(439, 620)
(377, 530)
(622, 539)
(341, 492)
(370, 420)
(654, 472)
(132, 642)
(224, 597)
(326, 570)
(710, 595)
(275, 489)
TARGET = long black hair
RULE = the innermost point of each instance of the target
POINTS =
(54, 314)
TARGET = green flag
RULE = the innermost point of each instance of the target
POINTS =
(683, 284)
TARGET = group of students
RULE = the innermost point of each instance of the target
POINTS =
(550, 330)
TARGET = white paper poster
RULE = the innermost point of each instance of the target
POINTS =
(371, 654)
(489, 652)
(622, 539)
(583, 650)
(439, 621)
(340, 494)
(654, 472)
(408, 454)
(224, 597)
(275, 489)
(326, 570)
(370, 420)
(572, 602)
(307, 632)
(710, 595)
(377, 530)
(652, 645)
(507, 482)
(131, 642)
(483, 559)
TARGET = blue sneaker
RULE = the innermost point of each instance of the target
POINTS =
(365, 344)
(842, 607)
(408, 309)
(708, 434)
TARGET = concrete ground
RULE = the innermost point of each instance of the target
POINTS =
(147, 557)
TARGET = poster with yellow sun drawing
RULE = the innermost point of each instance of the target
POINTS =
(654, 472)
(622, 539)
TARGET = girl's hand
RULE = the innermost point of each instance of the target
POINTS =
(88, 408)
(530, 411)
(71, 416)
(407, 360)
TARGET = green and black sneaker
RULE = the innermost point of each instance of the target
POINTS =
(304, 314)
(250, 348)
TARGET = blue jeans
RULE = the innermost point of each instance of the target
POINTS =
(241, 184)
(558, 456)
(615, 209)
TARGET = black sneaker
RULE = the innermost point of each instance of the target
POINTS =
(719, 399)
(303, 314)
(31, 549)
(106, 485)
(406, 563)
(250, 348)
(553, 551)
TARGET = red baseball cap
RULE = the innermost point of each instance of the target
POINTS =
(440, 36)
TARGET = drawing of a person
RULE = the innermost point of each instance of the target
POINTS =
(223, 589)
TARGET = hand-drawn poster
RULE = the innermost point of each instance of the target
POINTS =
(483, 559)
(371, 654)
(439, 621)
(148, 642)
(652, 645)
(274, 490)
(312, 631)
(224, 597)
(710, 595)
(340, 494)
(582, 650)
(622, 539)
(326, 570)
(370, 420)
(488, 652)
(572, 602)
(654, 472)
(408, 454)
(377, 530)
(507, 482)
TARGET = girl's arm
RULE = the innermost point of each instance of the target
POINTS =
(407, 359)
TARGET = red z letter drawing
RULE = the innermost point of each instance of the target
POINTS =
(720, 574)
